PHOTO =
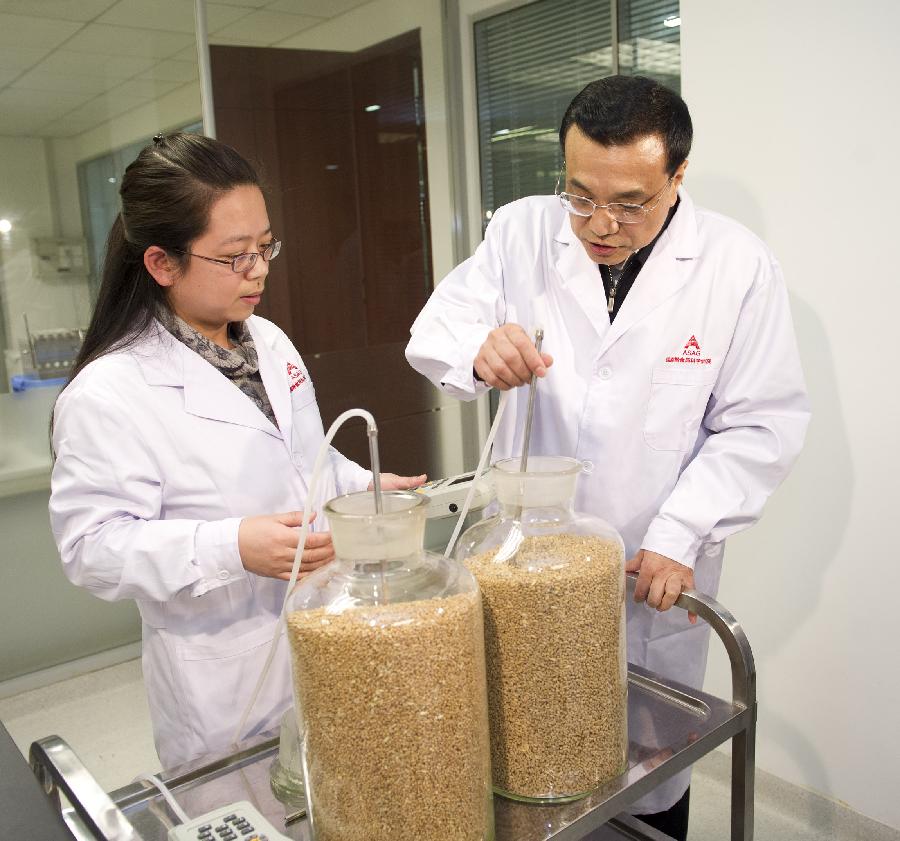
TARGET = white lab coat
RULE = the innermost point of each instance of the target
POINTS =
(687, 411)
(159, 456)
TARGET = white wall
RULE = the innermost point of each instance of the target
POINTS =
(63, 176)
(796, 123)
(28, 199)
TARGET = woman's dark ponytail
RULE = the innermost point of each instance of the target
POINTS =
(126, 302)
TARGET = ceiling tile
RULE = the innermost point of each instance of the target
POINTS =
(135, 91)
(16, 124)
(263, 28)
(39, 80)
(316, 8)
(187, 54)
(170, 15)
(38, 33)
(172, 71)
(83, 10)
(257, 4)
(111, 67)
(68, 126)
(20, 58)
(6, 76)
(96, 111)
(20, 107)
(126, 41)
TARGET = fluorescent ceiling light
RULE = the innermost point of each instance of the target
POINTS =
(5, 226)
(672, 21)
(373, 108)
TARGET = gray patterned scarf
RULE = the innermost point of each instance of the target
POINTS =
(240, 364)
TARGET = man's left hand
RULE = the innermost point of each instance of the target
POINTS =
(393, 482)
(660, 580)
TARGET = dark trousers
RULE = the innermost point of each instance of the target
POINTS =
(673, 822)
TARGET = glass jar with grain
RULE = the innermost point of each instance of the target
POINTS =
(553, 586)
(387, 650)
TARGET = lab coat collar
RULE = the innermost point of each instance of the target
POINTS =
(579, 274)
(274, 372)
(664, 273)
(165, 361)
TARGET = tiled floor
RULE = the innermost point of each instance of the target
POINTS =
(104, 718)
(102, 715)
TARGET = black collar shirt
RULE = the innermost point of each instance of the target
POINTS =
(632, 269)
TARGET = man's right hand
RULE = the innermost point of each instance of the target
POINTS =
(508, 358)
(267, 545)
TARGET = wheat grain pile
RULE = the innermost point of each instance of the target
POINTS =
(393, 699)
(557, 691)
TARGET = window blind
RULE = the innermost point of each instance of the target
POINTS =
(531, 61)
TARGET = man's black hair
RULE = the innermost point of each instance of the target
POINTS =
(618, 110)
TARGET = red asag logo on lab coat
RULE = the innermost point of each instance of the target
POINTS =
(691, 355)
(296, 375)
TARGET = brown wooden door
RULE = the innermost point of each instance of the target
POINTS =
(340, 141)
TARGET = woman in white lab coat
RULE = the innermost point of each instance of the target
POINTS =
(185, 443)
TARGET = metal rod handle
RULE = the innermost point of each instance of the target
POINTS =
(376, 466)
(532, 390)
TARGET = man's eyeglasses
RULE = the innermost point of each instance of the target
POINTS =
(241, 263)
(622, 212)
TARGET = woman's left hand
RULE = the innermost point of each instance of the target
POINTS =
(393, 482)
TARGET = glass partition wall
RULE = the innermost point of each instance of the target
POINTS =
(83, 87)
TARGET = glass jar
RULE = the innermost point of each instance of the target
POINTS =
(387, 650)
(553, 585)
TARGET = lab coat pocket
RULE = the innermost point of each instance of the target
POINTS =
(218, 678)
(676, 404)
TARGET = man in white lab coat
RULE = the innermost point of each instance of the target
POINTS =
(669, 364)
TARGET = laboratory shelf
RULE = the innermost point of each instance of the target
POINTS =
(669, 727)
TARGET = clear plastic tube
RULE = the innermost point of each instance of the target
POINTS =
(486, 451)
(304, 531)
(167, 795)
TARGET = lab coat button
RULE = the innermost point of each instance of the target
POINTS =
(605, 373)
(223, 574)
(587, 466)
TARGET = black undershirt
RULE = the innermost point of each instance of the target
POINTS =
(632, 269)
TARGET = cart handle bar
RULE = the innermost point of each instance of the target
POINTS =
(58, 769)
(743, 668)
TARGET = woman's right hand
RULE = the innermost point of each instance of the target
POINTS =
(267, 545)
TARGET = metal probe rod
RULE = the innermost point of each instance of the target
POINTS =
(532, 389)
(376, 465)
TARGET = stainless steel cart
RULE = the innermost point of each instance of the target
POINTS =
(670, 727)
